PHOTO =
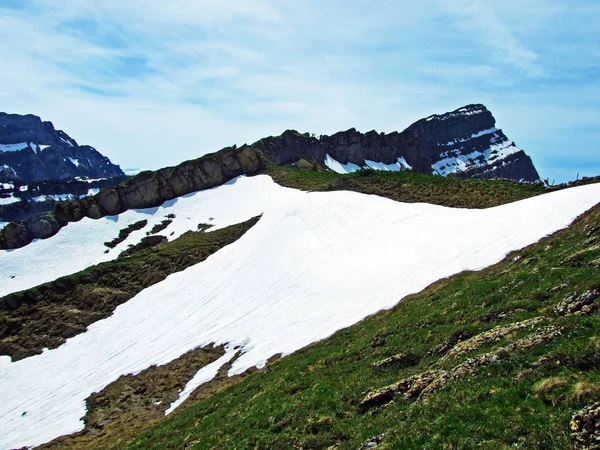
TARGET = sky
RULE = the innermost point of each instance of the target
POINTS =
(151, 83)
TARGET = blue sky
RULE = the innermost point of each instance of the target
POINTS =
(151, 83)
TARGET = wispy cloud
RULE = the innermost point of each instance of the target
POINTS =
(151, 82)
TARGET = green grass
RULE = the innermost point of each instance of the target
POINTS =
(55, 311)
(408, 186)
(310, 399)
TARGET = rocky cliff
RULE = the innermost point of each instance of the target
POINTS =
(32, 150)
(146, 190)
(464, 143)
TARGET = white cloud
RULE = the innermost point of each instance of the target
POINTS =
(151, 83)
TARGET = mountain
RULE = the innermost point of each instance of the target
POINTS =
(251, 269)
(32, 150)
(256, 298)
(465, 143)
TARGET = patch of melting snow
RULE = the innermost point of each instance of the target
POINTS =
(14, 147)
(280, 287)
(9, 200)
(204, 375)
(338, 167)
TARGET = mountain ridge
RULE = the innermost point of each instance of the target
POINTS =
(464, 142)
(33, 150)
(481, 152)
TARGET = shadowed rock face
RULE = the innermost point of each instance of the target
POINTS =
(146, 190)
(32, 150)
(464, 143)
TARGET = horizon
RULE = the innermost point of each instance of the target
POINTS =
(151, 84)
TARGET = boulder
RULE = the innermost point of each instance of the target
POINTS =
(14, 235)
(43, 226)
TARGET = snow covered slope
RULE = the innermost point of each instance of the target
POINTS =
(314, 263)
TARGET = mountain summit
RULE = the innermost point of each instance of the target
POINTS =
(464, 143)
(32, 150)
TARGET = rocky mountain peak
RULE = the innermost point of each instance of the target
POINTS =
(464, 142)
(33, 150)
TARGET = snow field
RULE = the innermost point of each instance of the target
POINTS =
(313, 264)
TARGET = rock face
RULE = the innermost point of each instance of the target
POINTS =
(32, 150)
(463, 143)
(146, 190)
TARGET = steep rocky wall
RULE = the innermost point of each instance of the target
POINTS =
(146, 190)
(464, 142)
(32, 150)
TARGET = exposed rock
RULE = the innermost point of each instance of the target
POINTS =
(32, 150)
(578, 304)
(372, 442)
(464, 143)
(399, 360)
(42, 226)
(449, 343)
(585, 428)
(14, 235)
(429, 382)
(490, 336)
(125, 232)
(146, 190)
(108, 202)
(160, 226)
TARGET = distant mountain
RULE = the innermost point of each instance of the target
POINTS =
(32, 150)
(464, 143)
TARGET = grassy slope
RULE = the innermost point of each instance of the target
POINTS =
(409, 187)
(310, 399)
(62, 309)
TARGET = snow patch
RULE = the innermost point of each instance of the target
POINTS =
(6, 166)
(339, 167)
(66, 141)
(74, 161)
(204, 375)
(403, 163)
(351, 167)
(89, 180)
(132, 172)
(9, 200)
(457, 162)
(14, 147)
(280, 287)
(381, 166)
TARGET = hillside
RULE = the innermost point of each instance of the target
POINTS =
(314, 263)
(501, 358)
